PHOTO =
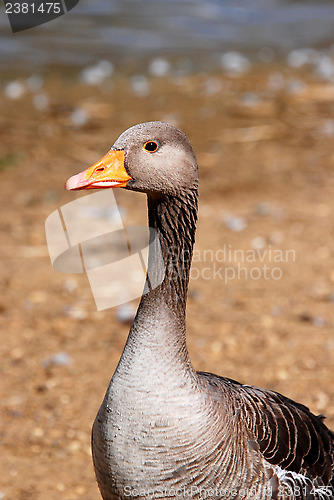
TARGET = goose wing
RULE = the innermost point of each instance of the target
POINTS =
(287, 433)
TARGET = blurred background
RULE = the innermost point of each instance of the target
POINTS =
(252, 84)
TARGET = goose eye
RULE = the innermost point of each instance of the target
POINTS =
(151, 146)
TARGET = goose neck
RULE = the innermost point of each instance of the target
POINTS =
(173, 220)
(160, 325)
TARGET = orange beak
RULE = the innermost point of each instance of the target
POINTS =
(109, 172)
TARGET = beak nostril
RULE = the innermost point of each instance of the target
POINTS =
(100, 169)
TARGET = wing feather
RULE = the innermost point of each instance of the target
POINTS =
(287, 433)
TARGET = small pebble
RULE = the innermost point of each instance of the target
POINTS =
(235, 223)
(325, 67)
(319, 321)
(330, 297)
(249, 99)
(276, 81)
(159, 67)
(65, 399)
(80, 490)
(38, 296)
(300, 57)
(322, 401)
(283, 374)
(58, 359)
(97, 74)
(74, 446)
(296, 86)
(75, 312)
(17, 353)
(309, 364)
(41, 102)
(327, 128)
(70, 285)
(195, 294)
(37, 432)
(258, 242)
(140, 85)
(126, 313)
(315, 320)
(262, 208)
(216, 346)
(276, 237)
(35, 83)
(297, 58)
(330, 344)
(14, 90)
(212, 86)
(79, 117)
(276, 311)
(235, 63)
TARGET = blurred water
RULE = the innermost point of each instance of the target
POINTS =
(127, 32)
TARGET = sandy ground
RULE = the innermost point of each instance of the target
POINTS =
(265, 148)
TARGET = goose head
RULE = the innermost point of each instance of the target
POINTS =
(154, 157)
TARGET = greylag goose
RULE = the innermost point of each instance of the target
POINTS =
(164, 430)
